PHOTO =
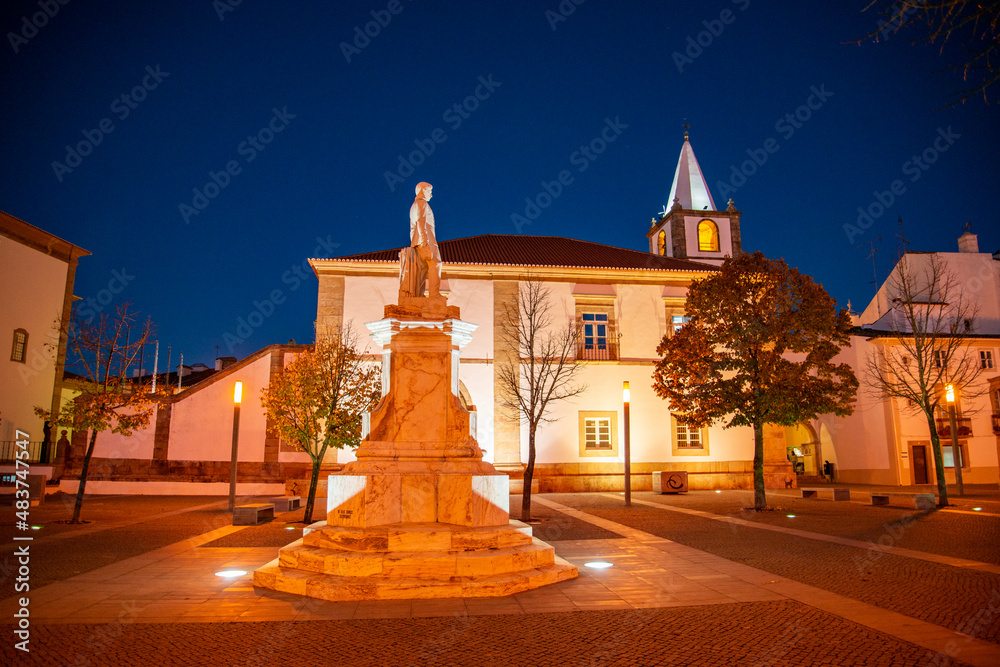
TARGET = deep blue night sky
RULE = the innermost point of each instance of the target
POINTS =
(319, 187)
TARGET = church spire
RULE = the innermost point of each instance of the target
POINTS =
(689, 186)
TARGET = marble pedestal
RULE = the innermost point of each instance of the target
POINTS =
(419, 514)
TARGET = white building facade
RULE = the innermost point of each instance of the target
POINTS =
(896, 441)
(37, 272)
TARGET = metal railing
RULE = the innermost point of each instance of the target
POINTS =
(597, 348)
(9, 449)
(597, 352)
(963, 424)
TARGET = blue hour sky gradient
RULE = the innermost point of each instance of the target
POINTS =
(203, 150)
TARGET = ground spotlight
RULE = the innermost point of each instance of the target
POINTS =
(599, 564)
(230, 574)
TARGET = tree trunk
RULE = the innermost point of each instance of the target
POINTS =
(529, 471)
(942, 483)
(83, 477)
(759, 499)
(313, 481)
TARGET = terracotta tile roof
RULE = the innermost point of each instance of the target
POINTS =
(556, 251)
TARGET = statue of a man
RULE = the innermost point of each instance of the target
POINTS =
(422, 238)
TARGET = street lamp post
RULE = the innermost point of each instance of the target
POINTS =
(628, 452)
(956, 450)
(237, 398)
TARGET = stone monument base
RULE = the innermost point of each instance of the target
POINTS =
(413, 561)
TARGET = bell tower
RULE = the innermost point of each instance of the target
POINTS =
(691, 226)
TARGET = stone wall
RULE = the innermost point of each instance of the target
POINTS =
(709, 475)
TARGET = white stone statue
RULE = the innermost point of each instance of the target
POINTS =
(420, 265)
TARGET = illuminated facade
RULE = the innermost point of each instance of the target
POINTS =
(885, 441)
(37, 271)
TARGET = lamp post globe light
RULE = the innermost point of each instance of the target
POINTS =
(628, 453)
(237, 399)
(956, 450)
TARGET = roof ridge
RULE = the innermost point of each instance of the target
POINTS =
(540, 251)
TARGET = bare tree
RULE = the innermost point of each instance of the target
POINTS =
(102, 352)
(543, 369)
(924, 345)
(317, 401)
(974, 26)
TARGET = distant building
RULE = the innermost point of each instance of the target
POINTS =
(37, 271)
(187, 447)
(885, 441)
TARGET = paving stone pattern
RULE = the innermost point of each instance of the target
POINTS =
(962, 600)
(59, 558)
(784, 634)
(976, 537)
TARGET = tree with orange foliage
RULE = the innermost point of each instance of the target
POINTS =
(318, 400)
(757, 349)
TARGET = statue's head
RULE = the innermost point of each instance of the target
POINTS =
(424, 190)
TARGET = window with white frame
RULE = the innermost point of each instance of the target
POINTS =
(19, 350)
(948, 455)
(595, 331)
(595, 320)
(687, 439)
(986, 359)
(675, 315)
(598, 433)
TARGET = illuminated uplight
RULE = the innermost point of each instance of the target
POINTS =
(625, 392)
(290, 528)
(790, 516)
(718, 491)
(977, 509)
(599, 564)
(230, 574)
(238, 393)
(36, 527)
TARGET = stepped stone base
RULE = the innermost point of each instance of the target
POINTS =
(413, 560)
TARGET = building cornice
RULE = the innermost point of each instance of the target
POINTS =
(370, 268)
(39, 239)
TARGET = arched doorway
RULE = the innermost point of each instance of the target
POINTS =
(804, 450)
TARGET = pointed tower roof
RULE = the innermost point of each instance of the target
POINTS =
(689, 183)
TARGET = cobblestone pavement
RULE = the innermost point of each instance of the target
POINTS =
(975, 536)
(955, 598)
(120, 527)
(782, 633)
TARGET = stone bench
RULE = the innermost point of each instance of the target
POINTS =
(286, 503)
(814, 491)
(251, 515)
(920, 501)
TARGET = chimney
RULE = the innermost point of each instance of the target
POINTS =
(221, 363)
(968, 242)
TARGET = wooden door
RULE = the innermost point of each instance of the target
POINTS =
(919, 457)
